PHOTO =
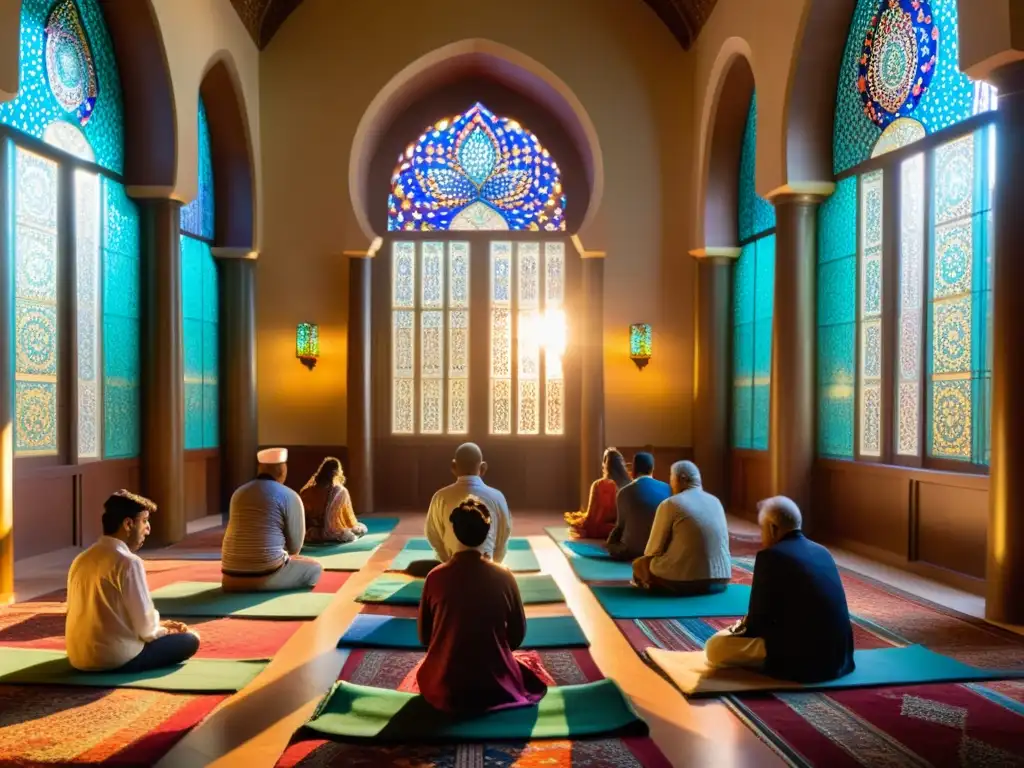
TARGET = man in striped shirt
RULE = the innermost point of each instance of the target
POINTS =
(266, 527)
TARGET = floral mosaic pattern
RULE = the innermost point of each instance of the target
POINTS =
(870, 374)
(200, 341)
(87, 266)
(197, 218)
(757, 215)
(753, 299)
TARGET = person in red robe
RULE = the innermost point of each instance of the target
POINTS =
(471, 618)
(599, 519)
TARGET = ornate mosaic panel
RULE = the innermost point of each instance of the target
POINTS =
(87, 267)
(501, 343)
(756, 214)
(501, 338)
(528, 293)
(197, 217)
(900, 78)
(912, 244)
(501, 406)
(458, 372)
(528, 407)
(121, 323)
(431, 372)
(752, 342)
(200, 340)
(501, 273)
(68, 74)
(554, 299)
(458, 275)
(432, 275)
(836, 377)
(871, 348)
(403, 370)
(954, 180)
(476, 171)
(403, 275)
(951, 432)
(36, 336)
(951, 336)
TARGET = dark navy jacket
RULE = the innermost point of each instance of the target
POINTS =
(636, 504)
(798, 606)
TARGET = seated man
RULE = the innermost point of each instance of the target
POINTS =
(636, 505)
(471, 619)
(469, 467)
(688, 552)
(111, 621)
(266, 527)
(798, 624)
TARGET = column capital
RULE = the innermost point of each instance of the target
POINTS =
(805, 192)
(141, 192)
(716, 254)
(365, 253)
(235, 253)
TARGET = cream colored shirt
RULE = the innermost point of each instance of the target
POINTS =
(440, 533)
(110, 613)
(690, 538)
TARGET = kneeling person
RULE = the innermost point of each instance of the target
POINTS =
(798, 624)
(111, 622)
(266, 528)
(471, 619)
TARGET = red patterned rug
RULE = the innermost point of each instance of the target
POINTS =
(942, 725)
(397, 670)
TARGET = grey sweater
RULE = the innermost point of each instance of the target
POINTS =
(266, 525)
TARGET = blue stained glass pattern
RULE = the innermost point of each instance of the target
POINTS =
(476, 171)
(121, 323)
(753, 300)
(68, 73)
(200, 339)
(901, 61)
(757, 215)
(197, 217)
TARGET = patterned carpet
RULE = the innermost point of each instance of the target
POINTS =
(397, 670)
(969, 725)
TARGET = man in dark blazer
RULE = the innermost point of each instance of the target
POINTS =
(798, 624)
(636, 504)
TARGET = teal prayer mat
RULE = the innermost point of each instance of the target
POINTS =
(355, 554)
(375, 631)
(31, 666)
(519, 558)
(910, 665)
(206, 598)
(384, 716)
(589, 558)
(636, 603)
(399, 589)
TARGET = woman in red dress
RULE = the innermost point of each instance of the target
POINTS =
(599, 519)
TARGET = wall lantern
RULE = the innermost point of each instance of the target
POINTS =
(640, 344)
(307, 344)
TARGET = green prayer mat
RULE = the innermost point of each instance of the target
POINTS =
(911, 665)
(574, 711)
(375, 631)
(519, 558)
(31, 666)
(399, 589)
(355, 554)
(206, 598)
(636, 603)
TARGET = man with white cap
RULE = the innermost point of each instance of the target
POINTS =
(265, 530)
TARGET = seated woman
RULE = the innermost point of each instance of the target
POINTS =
(471, 619)
(329, 513)
(599, 519)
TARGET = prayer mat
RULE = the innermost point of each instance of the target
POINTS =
(61, 726)
(29, 666)
(636, 603)
(355, 554)
(396, 589)
(374, 631)
(203, 598)
(909, 665)
(519, 558)
(359, 712)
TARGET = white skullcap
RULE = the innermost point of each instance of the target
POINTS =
(272, 456)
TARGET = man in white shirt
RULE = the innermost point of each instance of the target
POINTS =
(111, 621)
(468, 466)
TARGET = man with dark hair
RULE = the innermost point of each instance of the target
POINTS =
(266, 528)
(111, 621)
(636, 504)
(471, 619)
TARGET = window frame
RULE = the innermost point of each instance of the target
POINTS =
(891, 165)
(67, 296)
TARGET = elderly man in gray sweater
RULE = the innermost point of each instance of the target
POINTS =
(688, 551)
(266, 527)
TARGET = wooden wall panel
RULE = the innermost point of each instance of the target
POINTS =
(202, 483)
(749, 482)
(99, 480)
(44, 511)
(860, 503)
(952, 527)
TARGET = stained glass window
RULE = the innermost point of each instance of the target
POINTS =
(68, 74)
(869, 380)
(197, 217)
(912, 245)
(87, 286)
(403, 339)
(754, 284)
(476, 171)
(501, 338)
(199, 311)
(554, 347)
(458, 338)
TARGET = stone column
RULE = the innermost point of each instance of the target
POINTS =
(792, 440)
(6, 388)
(1005, 571)
(239, 441)
(360, 387)
(163, 387)
(591, 333)
(712, 353)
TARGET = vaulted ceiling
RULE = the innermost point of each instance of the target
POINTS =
(684, 18)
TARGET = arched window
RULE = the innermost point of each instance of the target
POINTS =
(905, 251)
(477, 171)
(76, 241)
(754, 286)
(199, 304)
